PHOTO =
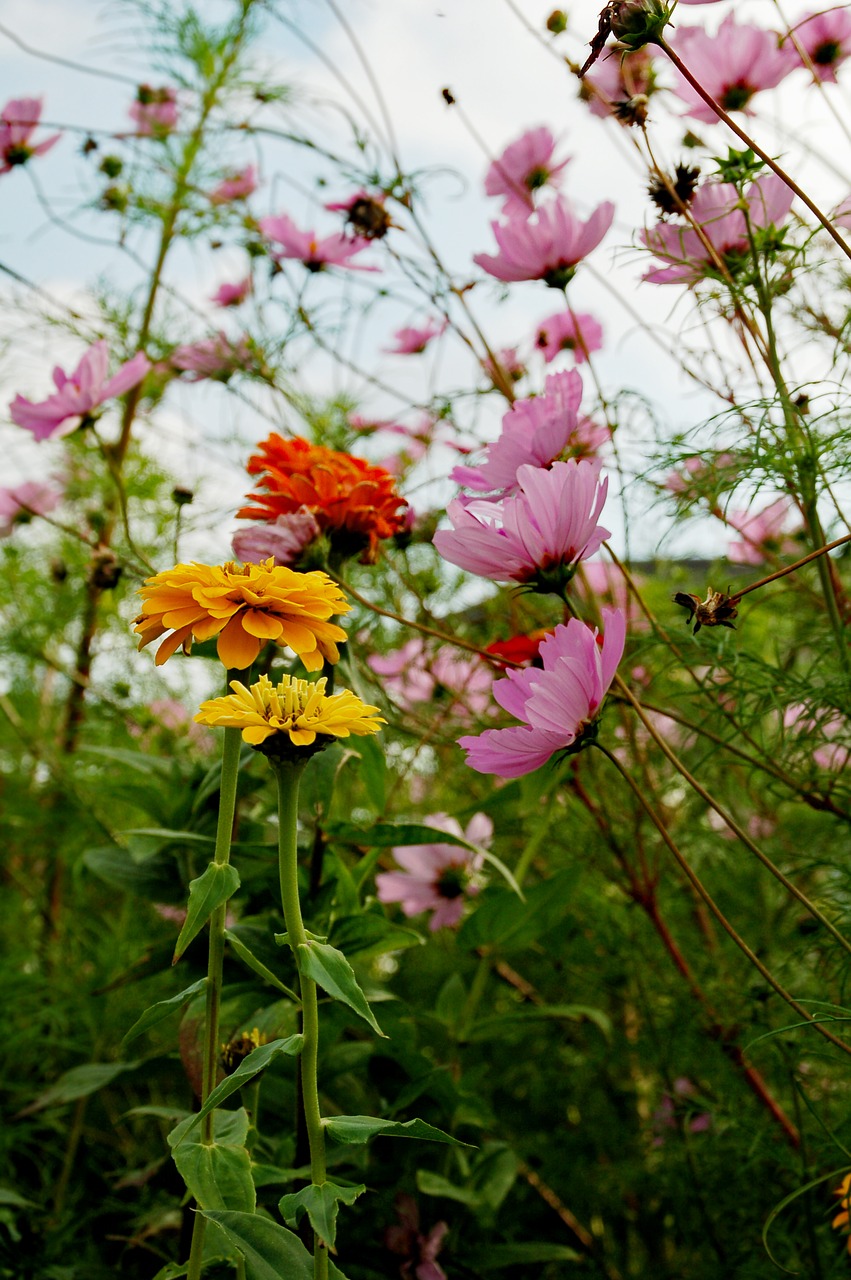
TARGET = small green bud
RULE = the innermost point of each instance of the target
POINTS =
(557, 22)
(111, 166)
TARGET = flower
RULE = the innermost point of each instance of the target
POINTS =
(283, 539)
(535, 536)
(414, 674)
(355, 502)
(826, 724)
(732, 66)
(335, 250)
(231, 295)
(619, 85)
(825, 37)
(244, 605)
(762, 534)
(547, 245)
(238, 185)
(842, 1218)
(296, 708)
(523, 168)
(412, 341)
(717, 209)
(217, 357)
(566, 331)
(407, 1241)
(558, 705)
(154, 111)
(19, 504)
(79, 394)
(437, 877)
(18, 119)
(535, 431)
(509, 364)
(366, 214)
(519, 648)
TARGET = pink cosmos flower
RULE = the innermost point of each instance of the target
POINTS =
(547, 245)
(283, 539)
(566, 331)
(676, 1105)
(78, 395)
(413, 341)
(535, 432)
(154, 111)
(842, 213)
(523, 168)
(414, 674)
(18, 120)
(830, 754)
(217, 357)
(19, 504)
(437, 877)
(509, 362)
(232, 295)
(826, 39)
(617, 80)
(697, 472)
(556, 705)
(537, 535)
(236, 186)
(733, 66)
(762, 534)
(409, 1242)
(716, 207)
(335, 250)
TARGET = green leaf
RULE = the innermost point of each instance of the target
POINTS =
(168, 834)
(321, 1204)
(270, 1251)
(79, 1082)
(258, 1060)
(434, 1184)
(488, 1028)
(373, 770)
(371, 934)
(790, 1199)
(157, 1012)
(248, 957)
(356, 1130)
(507, 1255)
(330, 969)
(385, 835)
(498, 919)
(7, 1196)
(211, 890)
(218, 1176)
(115, 866)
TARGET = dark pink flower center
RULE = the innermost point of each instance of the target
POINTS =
(17, 154)
(736, 96)
(451, 882)
(537, 178)
(825, 54)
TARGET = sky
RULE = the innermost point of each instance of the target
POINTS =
(505, 78)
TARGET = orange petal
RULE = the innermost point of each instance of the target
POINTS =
(236, 648)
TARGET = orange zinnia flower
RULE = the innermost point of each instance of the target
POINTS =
(354, 502)
(244, 605)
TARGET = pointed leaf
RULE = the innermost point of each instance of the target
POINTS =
(356, 1130)
(162, 1009)
(330, 969)
(270, 1251)
(371, 934)
(77, 1083)
(258, 1060)
(321, 1204)
(212, 889)
(218, 1175)
(247, 956)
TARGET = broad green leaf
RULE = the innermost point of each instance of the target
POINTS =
(79, 1082)
(373, 770)
(330, 970)
(229, 1127)
(211, 890)
(269, 1175)
(271, 1252)
(434, 1184)
(498, 919)
(321, 1204)
(115, 866)
(248, 957)
(7, 1196)
(162, 1009)
(356, 1130)
(218, 1175)
(497, 1256)
(258, 1060)
(371, 934)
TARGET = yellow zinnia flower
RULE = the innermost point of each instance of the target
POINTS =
(300, 710)
(244, 605)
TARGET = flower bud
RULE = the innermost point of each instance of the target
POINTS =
(636, 23)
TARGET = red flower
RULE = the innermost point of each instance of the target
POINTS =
(354, 502)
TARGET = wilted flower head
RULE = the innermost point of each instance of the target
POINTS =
(366, 214)
(414, 673)
(292, 713)
(218, 357)
(558, 706)
(283, 539)
(619, 80)
(154, 111)
(717, 208)
(236, 186)
(762, 533)
(232, 295)
(354, 502)
(18, 121)
(523, 168)
(732, 66)
(535, 431)
(546, 246)
(77, 395)
(245, 606)
(19, 504)
(306, 247)
(437, 877)
(413, 341)
(566, 331)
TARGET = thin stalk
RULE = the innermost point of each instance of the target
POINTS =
(215, 962)
(288, 776)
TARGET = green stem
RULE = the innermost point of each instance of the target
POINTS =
(288, 777)
(215, 962)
